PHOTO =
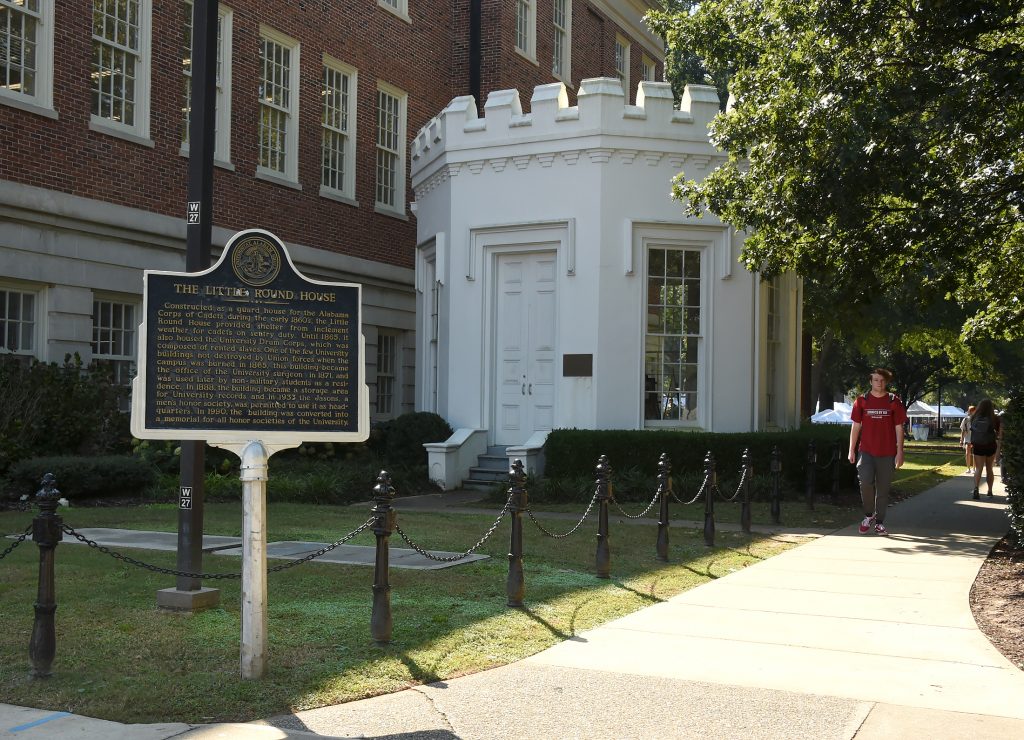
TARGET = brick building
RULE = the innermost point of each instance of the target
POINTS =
(317, 101)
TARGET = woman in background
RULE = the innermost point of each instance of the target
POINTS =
(965, 439)
(986, 434)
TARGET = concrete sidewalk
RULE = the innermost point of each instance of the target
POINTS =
(845, 636)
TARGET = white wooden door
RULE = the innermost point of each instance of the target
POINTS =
(525, 337)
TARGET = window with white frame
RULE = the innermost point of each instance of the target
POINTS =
(26, 52)
(120, 65)
(398, 7)
(773, 337)
(114, 325)
(672, 336)
(562, 23)
(526, 27)
(387, 355)
(622, 62)
(17, 322)
(650, 69)
(279, 106)
(391, 106)
(222, 124)
(338, 124)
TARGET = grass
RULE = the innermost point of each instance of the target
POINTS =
(120, 658)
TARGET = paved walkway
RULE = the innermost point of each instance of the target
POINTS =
(845, 636)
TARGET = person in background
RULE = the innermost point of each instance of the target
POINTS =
(965, 439)
(986, 436)
(877, 435)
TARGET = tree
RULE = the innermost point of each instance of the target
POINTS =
(871, 143)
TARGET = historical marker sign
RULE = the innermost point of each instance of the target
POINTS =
(250, 349)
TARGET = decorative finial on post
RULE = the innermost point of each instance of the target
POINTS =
(47, 532)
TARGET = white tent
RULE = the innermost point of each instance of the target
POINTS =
(831, 416)
(921, 409)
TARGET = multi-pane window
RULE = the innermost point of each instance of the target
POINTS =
(20, 31)
(526, 24)
(622, 62)
(650, 69)
(390, 149)
(338, 123)
(774, 349)
(17, 321)
(387, 350)
(119, 45)
(113, 338)
(278, 149)
(560, 53)
(222, 146)
(399, 7)
(673, 335)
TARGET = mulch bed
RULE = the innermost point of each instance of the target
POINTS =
(997, 600)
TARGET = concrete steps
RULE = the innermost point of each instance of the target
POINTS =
(491, 470)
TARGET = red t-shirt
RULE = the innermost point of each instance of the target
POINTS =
(878, 418)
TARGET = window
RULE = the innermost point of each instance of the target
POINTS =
(391, 150)
(622, 63)
(26, 52)
(113, 338)
(526, 27)
(650, 69)
(562, 20)
(120, 65)
(398, 7)
(672, 340)
(387, 349)
(773, 335)
(17, 322)
(279, 106)
(222, 141)
(338, 129)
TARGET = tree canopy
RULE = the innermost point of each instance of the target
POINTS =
(871, 143)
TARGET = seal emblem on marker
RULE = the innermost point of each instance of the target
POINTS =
(256, 261)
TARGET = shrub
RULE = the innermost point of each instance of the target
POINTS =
(1013, 462)
(400, 441)
(83, 477)
(50, 409)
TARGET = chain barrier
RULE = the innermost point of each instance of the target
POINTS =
(571, 531)
(743, 479)
(467, 553)
(642, 513)
(211, 576)
(696, 498)
(21, 538)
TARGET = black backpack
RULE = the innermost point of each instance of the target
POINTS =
(983, 431)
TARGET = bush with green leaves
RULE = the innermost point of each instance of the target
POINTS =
(1013, 462)
(400, 441)
(51, 409)
(92, 476)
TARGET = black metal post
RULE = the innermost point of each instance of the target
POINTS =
(381, 623)
(515, 586)
(837, 456)
(603, 567)
(812, 473)
(47, 533)
(664, 489)
(199, 227)
(776, 471)
(747, 475)
(710, 480)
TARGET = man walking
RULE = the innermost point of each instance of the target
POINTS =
(878, 418)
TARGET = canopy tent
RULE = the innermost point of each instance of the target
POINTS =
(919, 409)
(832, 416)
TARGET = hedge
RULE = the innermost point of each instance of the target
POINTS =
(83, 477)
(1013, 462)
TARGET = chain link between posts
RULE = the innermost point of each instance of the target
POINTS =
(467, 553)
(696, 498)
(642, 513)
(571, 531)
(213, 576)
(743, 479)
(21, 538)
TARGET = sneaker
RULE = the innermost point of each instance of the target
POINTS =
(990, 494)
(880, 530)
(866, 525)
(975, 495)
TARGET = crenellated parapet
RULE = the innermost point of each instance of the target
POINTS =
(600, 128)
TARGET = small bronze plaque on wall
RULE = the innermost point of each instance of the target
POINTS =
(577, 366)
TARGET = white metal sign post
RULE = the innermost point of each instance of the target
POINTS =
(253, 357)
